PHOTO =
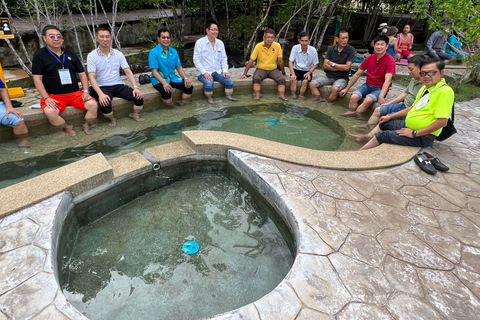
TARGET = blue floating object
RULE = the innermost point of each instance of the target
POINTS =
(190, 247)
(274, 120)
(271, 122)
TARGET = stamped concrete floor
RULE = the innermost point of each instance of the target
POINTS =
(392, 243)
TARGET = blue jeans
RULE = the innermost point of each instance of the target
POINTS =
(391, 108)
(366, 90)
(227, 82)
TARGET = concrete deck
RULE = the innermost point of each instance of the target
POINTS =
(392, 243)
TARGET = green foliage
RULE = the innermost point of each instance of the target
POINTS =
(461, 16)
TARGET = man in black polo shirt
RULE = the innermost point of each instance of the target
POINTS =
(337, 65)
(55, 71)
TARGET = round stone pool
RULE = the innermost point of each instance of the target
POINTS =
(120, 252)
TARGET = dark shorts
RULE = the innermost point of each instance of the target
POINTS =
(118, 91)
(274, 74)
(300, 74)
(177, 85)
(389, 135)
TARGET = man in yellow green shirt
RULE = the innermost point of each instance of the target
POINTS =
(267, 53)
(421, 123)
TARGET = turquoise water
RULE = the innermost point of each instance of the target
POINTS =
(281, 122)
(129, 264)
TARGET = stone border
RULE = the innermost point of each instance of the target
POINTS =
(95, 170)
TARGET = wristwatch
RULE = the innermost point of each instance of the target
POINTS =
(414, 133)
(333, 64)
(284, 73)
(86, 91)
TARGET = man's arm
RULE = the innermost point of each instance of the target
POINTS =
(385, 87)
(249, 65)
(352, 82)
(182, 74)
(400, 114)
(439, 123)
(37, 81)
(8, 103)
(281, 64)
(327, 65)
(292, 72)
(197, 60)
(398, 99)
(136, 92)
(84, 80)
(431, 41)
(103, 99)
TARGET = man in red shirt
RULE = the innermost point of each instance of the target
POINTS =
(380, 69)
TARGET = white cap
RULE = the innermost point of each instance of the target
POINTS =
(383, 25)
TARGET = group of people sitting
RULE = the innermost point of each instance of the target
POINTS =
(55, 70)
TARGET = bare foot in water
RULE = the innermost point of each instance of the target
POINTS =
(294, 96)
(349, 113)
(301, 96)
(113, 122)
(69, 131)
(181, 103)
(256, 97)
(136, 117)
(24, 143)
(87, 129)
(210, 100)
(283, 98)
(359, 137)
(231, 98)
(322, 99)
(362, 126)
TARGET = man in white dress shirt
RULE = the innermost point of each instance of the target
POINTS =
(210, 60)
(302, 62)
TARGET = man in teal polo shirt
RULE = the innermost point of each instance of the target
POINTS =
(426, 118)
(163, 60)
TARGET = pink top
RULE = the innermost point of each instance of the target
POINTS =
(404, 45)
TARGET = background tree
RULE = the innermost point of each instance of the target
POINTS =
(461, 16)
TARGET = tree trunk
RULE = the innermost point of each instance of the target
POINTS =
(19, 59)
(227, 17)
(212, 10)
(247, 50)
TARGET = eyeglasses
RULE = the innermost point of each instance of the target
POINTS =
(55, 36)
(343, 38)
(431, 73)
(165, 38)
(213, 30)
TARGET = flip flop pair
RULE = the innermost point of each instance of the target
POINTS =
(429, 163)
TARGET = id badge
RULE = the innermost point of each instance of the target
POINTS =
(65, 77)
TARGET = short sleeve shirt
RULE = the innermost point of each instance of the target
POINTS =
(106, 68)
(412, 90)
(439, 105)
(165, 63)
(303, 61)
(340, 57)
(47, 65)
(267, 58)
(376, 70)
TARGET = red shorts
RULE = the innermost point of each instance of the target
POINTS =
(74, 99)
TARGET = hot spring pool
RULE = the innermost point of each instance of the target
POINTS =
(295, 122)
(121, 256)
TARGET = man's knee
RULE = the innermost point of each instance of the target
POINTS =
(355, 97)
(91, 106)
(336, 90)
(51, 112)
(377, 112)
(208, 86)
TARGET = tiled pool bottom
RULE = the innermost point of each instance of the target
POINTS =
(381, 244)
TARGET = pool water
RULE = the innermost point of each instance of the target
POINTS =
(296, 122)
(129, 263)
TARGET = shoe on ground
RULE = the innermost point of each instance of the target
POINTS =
(424, 163)
(436, 163)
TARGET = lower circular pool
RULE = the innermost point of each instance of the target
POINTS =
(121, 252)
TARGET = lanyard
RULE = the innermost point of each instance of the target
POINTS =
(55, 56)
